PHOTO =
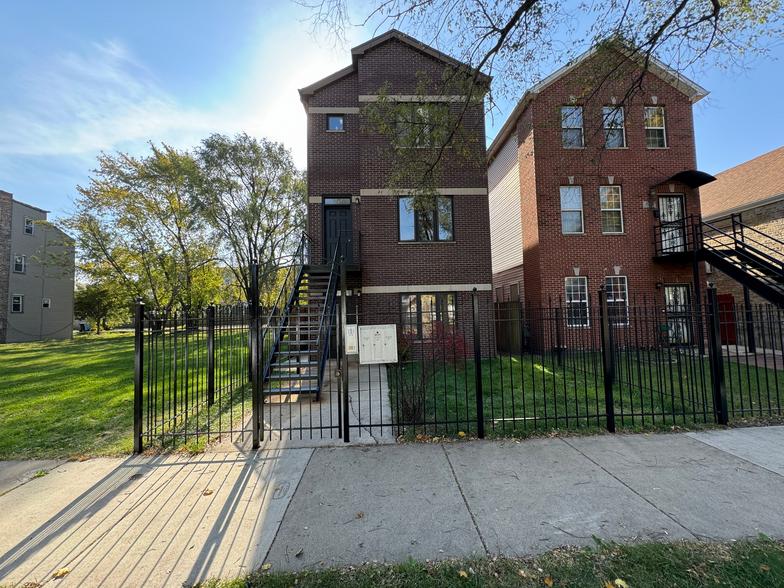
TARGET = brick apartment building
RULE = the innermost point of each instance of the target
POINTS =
(755, 191)
(406, 264)
(38, 298)
(579, 178)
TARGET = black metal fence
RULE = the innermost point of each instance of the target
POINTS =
(597, 365)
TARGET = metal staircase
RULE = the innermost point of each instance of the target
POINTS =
(747, 255)
(296, 336)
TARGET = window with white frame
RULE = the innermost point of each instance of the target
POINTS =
(17, 303)
(571, 209)
(29, 226)
(617, 299)
(654, 127)
(610, 202)
(20, 264)
(46, 303)
(577, 301)
(572, 126)
(614, 133)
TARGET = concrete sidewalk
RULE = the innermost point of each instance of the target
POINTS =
(169, 520)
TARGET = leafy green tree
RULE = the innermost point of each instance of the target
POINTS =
(136, 226)
(100, 303)
(253, 197)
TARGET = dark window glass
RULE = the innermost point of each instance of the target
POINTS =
(419, 312)
(426, 219)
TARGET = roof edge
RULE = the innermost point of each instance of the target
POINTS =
(30, 206)
(313, 88)
(744, 207)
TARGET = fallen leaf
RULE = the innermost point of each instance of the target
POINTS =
(522, 573)
(621, 584)
(360, 515)
(462, 574)
(208, 492)
(764, 568)
(265, 567)
(299, 553)
(61, 573)
(548, 580)
(461, 434)
(608, 584)
(277, 487)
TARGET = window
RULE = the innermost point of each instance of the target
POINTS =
(571, 209)
(421, 125)
(426, 219)
(46, 303)
(335, 122)
(29, 226)
(654, 127)
(577, 302)
(572, 126)
(610, 199)
(420, 311)
(20, 263)
(617, 299)
(614, 133)
(17, 303)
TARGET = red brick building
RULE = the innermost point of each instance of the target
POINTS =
(582, 172)
(414, 265)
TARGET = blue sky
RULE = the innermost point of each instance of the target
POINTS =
(81, 78)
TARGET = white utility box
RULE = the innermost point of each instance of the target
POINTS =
(352, 342)
(377, 344)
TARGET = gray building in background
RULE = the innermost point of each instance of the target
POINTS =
(38, 297)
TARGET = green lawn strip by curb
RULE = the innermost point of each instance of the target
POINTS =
(648, 565)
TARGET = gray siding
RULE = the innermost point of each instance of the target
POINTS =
(38, 281)
(506, 229)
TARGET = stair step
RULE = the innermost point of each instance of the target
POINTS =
(303, 390)
(296, 352)
(289, 365)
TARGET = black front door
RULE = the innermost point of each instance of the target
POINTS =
(337, 225)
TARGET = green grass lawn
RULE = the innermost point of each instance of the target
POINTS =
(526, 394)
(67, 398)
(648, 565)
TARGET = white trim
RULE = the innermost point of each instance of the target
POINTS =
(442, 191)
(414, 98)
(333, 109)
(425, 289)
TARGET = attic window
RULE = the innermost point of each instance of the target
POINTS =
(335, 122)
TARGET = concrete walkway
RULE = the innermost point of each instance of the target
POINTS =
(169, 520)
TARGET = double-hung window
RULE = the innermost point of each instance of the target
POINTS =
(421, 125)
(17, 303)
(577, 301)
(571, 209)
(424, 218)
(29, 226)
(655, 137)
(617, 299)
(419, 312)
(614, 133)
(20, 264)
(610, 202)
(572, 126)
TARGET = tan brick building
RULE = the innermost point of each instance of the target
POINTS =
(38, 298)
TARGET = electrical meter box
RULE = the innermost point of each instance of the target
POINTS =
(377, 344)
(352, 343)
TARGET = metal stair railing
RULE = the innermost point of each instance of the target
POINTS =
(327, 318)
(279, 315)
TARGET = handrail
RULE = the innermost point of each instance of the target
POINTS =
(279, 328)
(322, 341)
(745, 246)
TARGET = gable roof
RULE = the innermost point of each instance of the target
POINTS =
(756, 182)
(681, 83)
(360, 50)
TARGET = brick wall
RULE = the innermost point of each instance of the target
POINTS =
(549, 255)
